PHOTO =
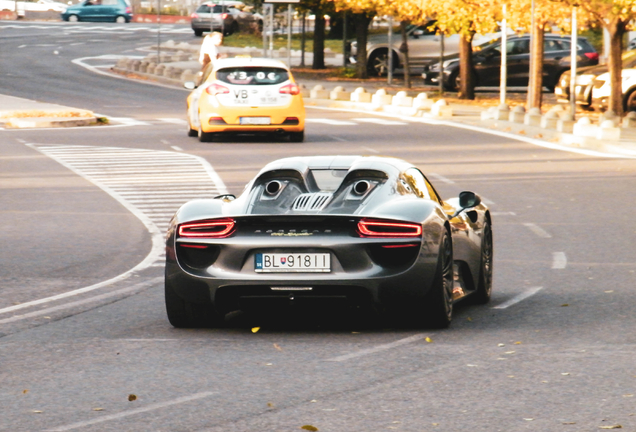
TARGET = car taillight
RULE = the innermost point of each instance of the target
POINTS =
(291, 89)
(128, 10)
(386, 228)
(591, 55)
(213, 228)
(215, 89)
(223, 15)
(194, 16)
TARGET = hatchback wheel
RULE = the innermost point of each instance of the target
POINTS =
(120, 19)
(73, 18)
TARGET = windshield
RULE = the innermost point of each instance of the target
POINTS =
(205, 8)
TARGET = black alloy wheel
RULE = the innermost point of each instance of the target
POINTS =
(629, 103)
(378, 64)
(484, 287)
(185, 314)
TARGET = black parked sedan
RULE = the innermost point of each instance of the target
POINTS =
(346, 231)
(487, 62)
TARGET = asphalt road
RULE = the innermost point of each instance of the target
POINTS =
(553, 351)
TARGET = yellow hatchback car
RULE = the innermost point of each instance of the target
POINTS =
(246, 95)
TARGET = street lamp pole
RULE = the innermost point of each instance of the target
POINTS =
(532, 36)
(503, 78)
(573, 53)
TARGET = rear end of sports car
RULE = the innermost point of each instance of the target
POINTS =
(268, 262)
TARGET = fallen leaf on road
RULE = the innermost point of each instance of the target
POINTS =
(469, 319)
(501, 345)
(565, 305)
(278, 347)
(611, 427)
(25, 391)
(510, 352)
(518, 343)
(98, 409)
(566, 423)
(37, 411)
(628, 395)
(471, 365)
(270, 405)
(565, 373)
(255, 329)
(132, 397)
(309, 428)
(609, 291)
(428, 339)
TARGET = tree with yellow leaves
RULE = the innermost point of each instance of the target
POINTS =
(466, 18)
(615, 16)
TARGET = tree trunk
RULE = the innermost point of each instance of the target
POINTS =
(319, 40)
(404, 48)
(466, 75)
(362, 22)
(535, 80)
(616, 30)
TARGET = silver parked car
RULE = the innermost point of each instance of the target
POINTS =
(424, 47)
(224, 16)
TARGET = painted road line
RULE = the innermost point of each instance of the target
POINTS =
(378, 348)
(559, 260)
(177, 121)
(440, 178)
(380, 121)
(330, 122)
(538, 230)
(503, 214)
(370, 150)
(128, 413)
(518, 298)
(132, 289)
(337, 138)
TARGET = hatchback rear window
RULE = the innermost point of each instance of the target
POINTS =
(252, 75)
(205, 8)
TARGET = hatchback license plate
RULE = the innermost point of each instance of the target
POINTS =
(288, 262)
(255, 120)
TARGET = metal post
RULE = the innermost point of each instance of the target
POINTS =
(222, 19)
(265, 6)
(344, 39)
(503, 78)
(441, 62)
(271, 31)
(532, 36)
(302, 42)
(289, 32)
(389, 56)
(158, 32)
(573, 54)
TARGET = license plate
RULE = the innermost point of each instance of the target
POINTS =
(288, 262)
(255, 120)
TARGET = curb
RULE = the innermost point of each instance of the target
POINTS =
(48, 122)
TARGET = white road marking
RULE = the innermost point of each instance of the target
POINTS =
(177, 121)
(378, 348)
(440, 178)
(503, 214)
(128, 121)
(337, 138)
(538, 230)
(330, 122)
(201, 182)
(151, 407)
(380, 121)
(518, 298)
(559, 260)
(370, 150)
(177, 148)
(47, 311)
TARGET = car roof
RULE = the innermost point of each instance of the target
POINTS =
(247, 62)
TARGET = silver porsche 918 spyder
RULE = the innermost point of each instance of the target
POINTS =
(325, 230)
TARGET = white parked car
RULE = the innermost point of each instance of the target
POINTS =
(34, 5)
(602, 90)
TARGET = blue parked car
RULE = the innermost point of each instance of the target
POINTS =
(99, 10)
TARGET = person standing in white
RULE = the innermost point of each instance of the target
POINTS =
(209, 48)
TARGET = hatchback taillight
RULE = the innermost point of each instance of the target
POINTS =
(128, 10)
(291, 89)
(194, 16)
(211, 228)
(386, 228)
(215, 89)
(591, 55)
(223, 15)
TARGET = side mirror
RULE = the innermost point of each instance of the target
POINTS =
(467, 200)
(190, 85)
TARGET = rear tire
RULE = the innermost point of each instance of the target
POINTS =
(378, 64)
(121, 19)
(192, 132)
(438, 303)
(484, 285)
(184, 314)
(198, 33)
(629, 103)
(297, 136)
(73, 18)
(205, 136)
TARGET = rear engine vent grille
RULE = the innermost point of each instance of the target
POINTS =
(311, 201)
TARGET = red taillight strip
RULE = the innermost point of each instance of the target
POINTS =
(215, 89)
(192, 246)
(381, 228)
(291, 89)
(216, 228)
(406, 245)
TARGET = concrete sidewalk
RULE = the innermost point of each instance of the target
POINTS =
(17, 113)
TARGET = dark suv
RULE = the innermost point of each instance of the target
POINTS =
(487, 62)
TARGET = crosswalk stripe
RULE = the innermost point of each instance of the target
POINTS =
(155, 193)
(330, 122)
(379, 121)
